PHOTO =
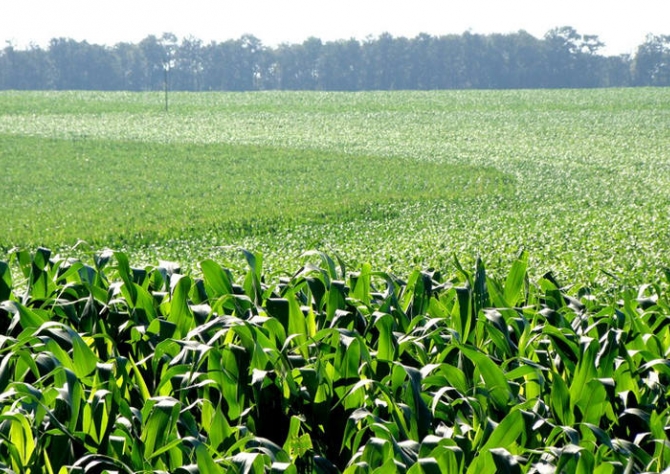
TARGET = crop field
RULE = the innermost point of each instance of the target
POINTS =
(400, 179)
(415, 282)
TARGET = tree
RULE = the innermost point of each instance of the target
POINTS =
(248, 63)
(28, 69)
(384, 60)
(651, 66)
(189, 65)
(135, 69)
(159, 54)
(80, 65)
(562, 58)
(338, 65)
(572, 58)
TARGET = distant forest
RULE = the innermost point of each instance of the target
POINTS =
(563, 58)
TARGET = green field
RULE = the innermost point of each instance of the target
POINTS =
(398, 179)
(463, 282)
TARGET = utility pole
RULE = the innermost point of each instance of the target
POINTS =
(168, 43)
(166, 67)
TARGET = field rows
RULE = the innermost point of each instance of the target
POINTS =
(106, 366)
(589, 171)
(489, 290)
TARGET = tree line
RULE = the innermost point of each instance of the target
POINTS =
(562, 58)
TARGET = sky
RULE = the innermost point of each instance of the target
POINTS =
(621, 25)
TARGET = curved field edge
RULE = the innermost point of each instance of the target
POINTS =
(137, 369)
(114, 193)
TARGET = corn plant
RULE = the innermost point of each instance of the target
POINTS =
(105, 366)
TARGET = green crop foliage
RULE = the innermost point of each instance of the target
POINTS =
(131, 193)
(580, 177)
(479, 358)
(107, 366)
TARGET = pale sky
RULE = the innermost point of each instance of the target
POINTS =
(622, 25)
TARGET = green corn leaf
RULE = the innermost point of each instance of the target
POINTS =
(494, 378)
(24, 260)
(586, 463)
(421, 414)
(278, 308)
(41, 286)
(376, 451)
(592, 402)
(361, 290)
(205, 461)
(466, 317)
(252, 281)
(255, 262)
(220, 429)
(21, 437)
(336, 299)
(139, 380)
(496, 294)
(503, 436)
(160, 422)
(585, 371)
(216, 278)
(416, 297)
(73, 394)
(385, 343)
(505, 462)
(449, 458)
(41, 258)
(480, 291)
(561, 402)
(297, 445)
(171, 447)
(350, 357)
(482, 464)
(180, 313)
(100, 463)
(140, 300)
(507, 431)
(101, 259)
(515, 281)
(5, 370)
(389, 467)
(85, 360)
(456, 377)
(162, 328)
(297, 324)
(318, 287)
(600, 434)
(126, 275)
(5, 281)
(28, 318)
(567, 349)
(250, 463)
(228, 383)
(99, 411)
(425, 466)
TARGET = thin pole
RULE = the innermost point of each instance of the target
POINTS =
(165, 83)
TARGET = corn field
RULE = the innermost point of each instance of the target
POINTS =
(414, 282)
(105, 367)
